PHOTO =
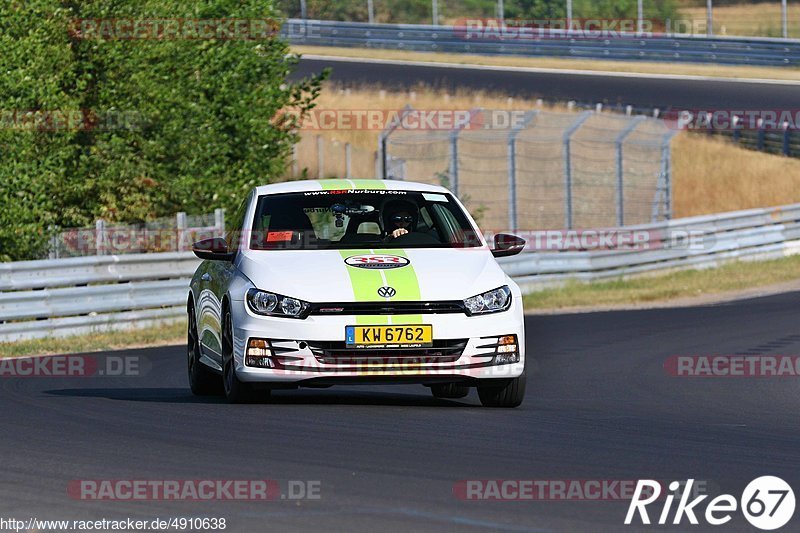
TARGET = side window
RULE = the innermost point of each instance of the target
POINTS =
(452, 229)
(234, 233)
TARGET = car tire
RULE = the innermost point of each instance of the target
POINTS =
(202, 380)
(449, 390)
(236, 391)
(502, 392)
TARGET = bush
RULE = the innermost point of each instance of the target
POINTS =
(200, 124)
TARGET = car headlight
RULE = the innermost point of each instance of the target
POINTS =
(271, 304)
(489, 302)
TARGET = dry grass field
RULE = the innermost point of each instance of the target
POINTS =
(761, 19)
(710, 175)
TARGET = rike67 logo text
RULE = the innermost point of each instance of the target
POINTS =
(767, 503)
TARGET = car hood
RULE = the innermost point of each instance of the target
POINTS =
(328, 276)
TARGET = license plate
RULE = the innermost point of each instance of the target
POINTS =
(389, 336)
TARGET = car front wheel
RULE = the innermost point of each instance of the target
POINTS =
(449, 390)
(202, 379)
(502, 392)
(235, 391)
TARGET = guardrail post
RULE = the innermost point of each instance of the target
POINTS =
(180, 226)
(295, 164)
(709, 18)
(664, 182)
(786, 137)
(620, 170)
(100, 236)
(454, 151)
(639, 17)
(512, 168)
(569, 15)
(219, 222)
(583, 117)
(347, 161)
(454, 162)
(370, 12)
(320, 157)
(784, 20)
(383, 138)
(54, 251)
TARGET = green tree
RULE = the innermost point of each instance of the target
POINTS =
(205, 113)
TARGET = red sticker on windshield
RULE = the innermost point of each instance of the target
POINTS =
(279, 236)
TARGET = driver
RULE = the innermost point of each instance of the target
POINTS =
(399, 218)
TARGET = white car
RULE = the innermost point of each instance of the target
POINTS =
(330, 282)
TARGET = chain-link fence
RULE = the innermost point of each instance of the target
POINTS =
(171, 234)
(318, 157)
(541, 169)
(764, 18)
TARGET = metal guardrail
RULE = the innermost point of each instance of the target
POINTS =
(753, 234)
(557, 43)
(62, 297)
(88, 294)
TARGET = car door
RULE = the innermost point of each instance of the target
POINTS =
(213, 286)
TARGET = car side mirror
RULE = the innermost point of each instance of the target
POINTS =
(506, 245)
(215, 249)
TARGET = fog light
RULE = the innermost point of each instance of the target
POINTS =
(259, 354)
(259, 362)
(505, 358)
(507, 351)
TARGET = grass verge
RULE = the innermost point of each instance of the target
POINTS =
(732, 277)
(643, 67)
(115, 340)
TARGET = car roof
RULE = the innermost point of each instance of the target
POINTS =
(344, 184)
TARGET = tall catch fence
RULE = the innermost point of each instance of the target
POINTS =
(168, 234)
(540, 169)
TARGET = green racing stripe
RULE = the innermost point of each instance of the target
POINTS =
(366, 282)
(344, 185)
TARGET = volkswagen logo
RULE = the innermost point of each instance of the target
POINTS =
(386, 292)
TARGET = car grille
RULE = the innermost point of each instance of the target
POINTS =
(387, 308)
(442, 351)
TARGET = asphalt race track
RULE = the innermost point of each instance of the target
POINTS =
(643, 92)
(600, 406)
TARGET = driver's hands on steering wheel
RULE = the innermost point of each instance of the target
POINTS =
(399, 231)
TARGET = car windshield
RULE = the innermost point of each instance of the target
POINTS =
(347, 219)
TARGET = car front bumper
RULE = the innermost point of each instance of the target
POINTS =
(311, 351)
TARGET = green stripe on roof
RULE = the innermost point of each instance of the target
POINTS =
(341, 185)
